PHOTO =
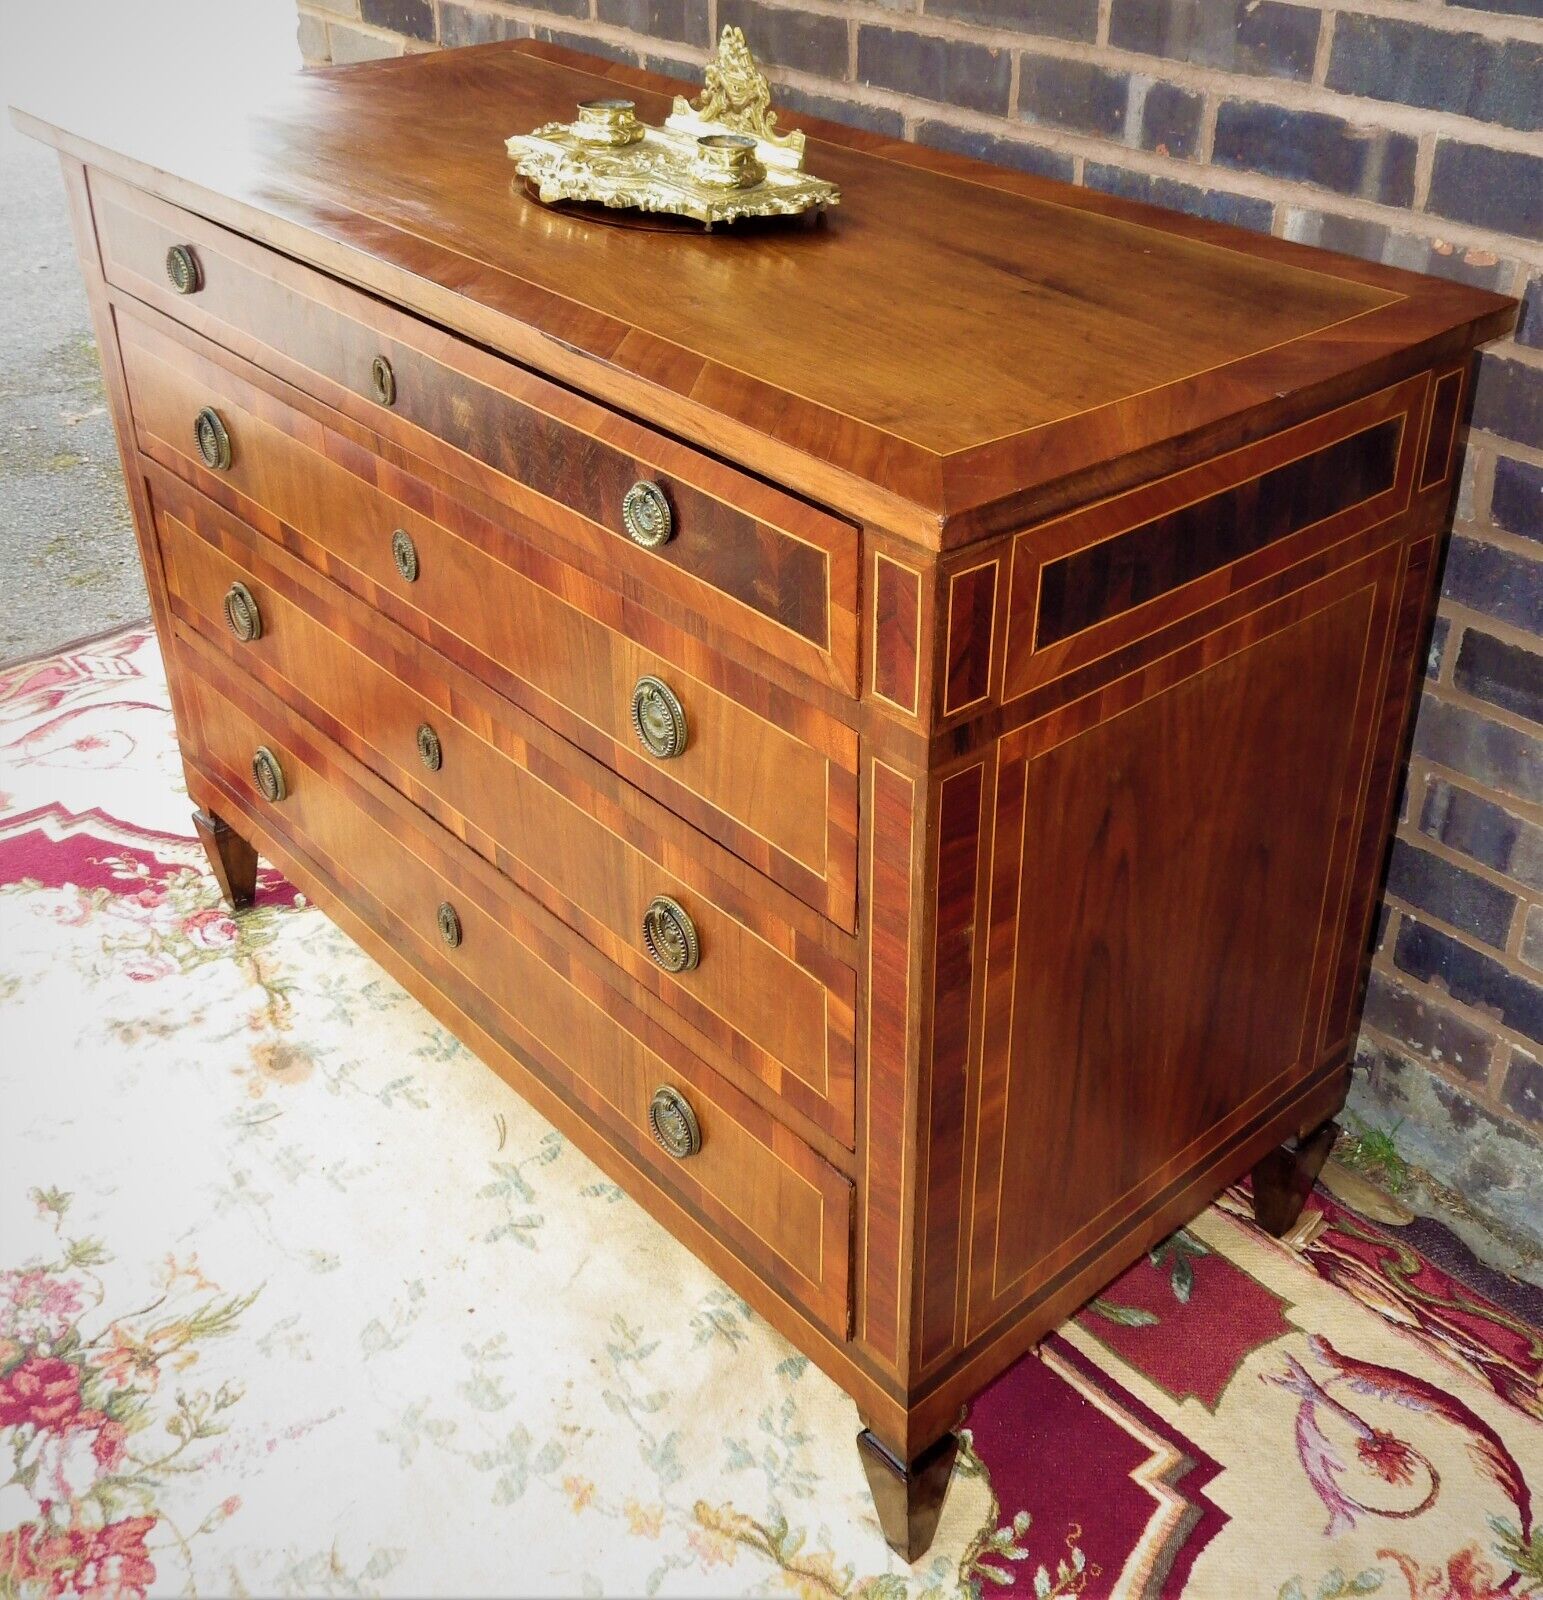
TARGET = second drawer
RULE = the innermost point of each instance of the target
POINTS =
(635, 882)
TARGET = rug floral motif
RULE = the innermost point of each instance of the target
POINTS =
(296, 1298)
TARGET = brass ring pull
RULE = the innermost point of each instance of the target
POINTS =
(213, 440)
(430, 752)
(405, 554)
(673, 1123)
(646, 515)
(182, 269)
(449, 921)
(669, 935)
(268, 775)
(659, 719)
(241, 612)
(383, 381)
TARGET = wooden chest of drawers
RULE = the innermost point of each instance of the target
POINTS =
(885, 732)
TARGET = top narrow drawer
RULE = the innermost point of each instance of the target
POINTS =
(746, 559)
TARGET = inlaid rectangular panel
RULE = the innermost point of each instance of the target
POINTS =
(895, 672)
(970, 636)
(1446, 402)
(1125, 571)
(1099, 582)
(1167, 881)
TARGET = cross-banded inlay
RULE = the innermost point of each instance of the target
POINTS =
(1118, 574)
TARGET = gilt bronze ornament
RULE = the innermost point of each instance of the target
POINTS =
(717, 159)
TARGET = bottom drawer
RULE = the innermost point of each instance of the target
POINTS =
(474, 935)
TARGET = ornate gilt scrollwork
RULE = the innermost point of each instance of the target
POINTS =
(736, 96)
(717, 159)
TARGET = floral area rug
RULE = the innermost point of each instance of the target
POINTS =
(297, 1299)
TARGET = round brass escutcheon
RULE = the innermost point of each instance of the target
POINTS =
(268, 775)
(383, 381)
(449, 921)
(669, 935)
(213, 440)
(673, 1123)
(429, 751)
(182, 269)
(241, 612)
(658, 718)
(646, 515)
(405, 554)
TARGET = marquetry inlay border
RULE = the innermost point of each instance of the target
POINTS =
(1378, 576)
(969, 649)
(1441, 433)
(894, 674)
(1029, 664)
(889, 1048)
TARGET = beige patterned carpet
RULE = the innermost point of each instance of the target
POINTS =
(297, 1299)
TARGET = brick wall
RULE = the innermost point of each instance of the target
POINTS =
(1401, 130)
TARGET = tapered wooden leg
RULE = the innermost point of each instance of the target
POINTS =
(232, 859)
(908, 1498)
(1284, 1178)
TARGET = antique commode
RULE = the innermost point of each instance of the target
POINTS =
(884, 729)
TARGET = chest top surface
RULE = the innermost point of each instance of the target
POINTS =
(946, 345)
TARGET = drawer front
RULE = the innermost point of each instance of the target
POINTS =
(753, 561)
(780, 793)
(768, 999)
(787, 1212)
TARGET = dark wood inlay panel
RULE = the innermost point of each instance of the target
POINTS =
(1443, 429)
(972, 604)
(891, 847)
(896, 622)
(954, 959)
(1126, 571)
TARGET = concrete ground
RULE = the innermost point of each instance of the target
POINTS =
(68, 563)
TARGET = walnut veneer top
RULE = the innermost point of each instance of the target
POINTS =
(956, 349)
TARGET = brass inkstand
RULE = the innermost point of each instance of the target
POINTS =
(717, 159)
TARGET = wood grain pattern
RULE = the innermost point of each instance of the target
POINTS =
(781, 1205)
(1259, 511)
(1441, 435)
(783, 797)
(889, 1062)
(896, 633)
(1175, 336)
(1161, 957)
(762, 999)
